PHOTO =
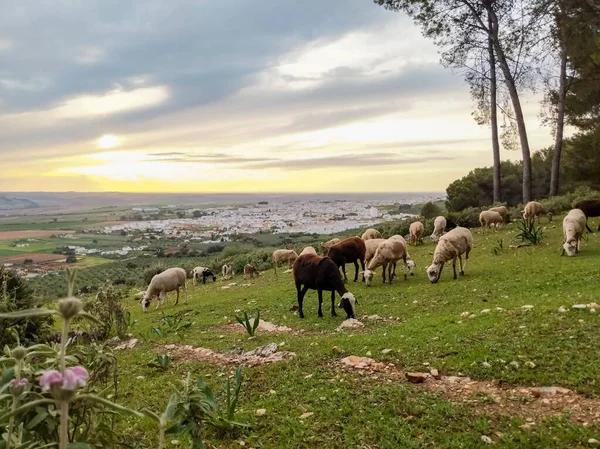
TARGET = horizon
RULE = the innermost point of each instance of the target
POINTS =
(302, 98)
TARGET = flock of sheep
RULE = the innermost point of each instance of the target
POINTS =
(371, 251)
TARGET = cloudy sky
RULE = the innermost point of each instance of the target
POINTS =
(230, 96)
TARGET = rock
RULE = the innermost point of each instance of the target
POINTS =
(486, 311)
(546, 401)
(562, 309)
(373, 318)
(260, 412)
(465, 314)
(368, 354)
(350, 323)
(140, 378)
(336, 350)
(593, 305)
(486, 439)
(175, 442)
(322, 398)
(593, 442)
(386, 351)
(499, 309)
(530, 364)
(129, 344)
(456, 379)
(549, 391)
(272, 392)
(416, 378)
(472, 316)
(435, 373)
(486, 365)
(579, 306)
(308, 376)
(592, 310)
(306, 415)
(514, 364)
(527, 307)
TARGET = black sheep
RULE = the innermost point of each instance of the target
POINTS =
(321, 273)
(590, 208)
(350, 250)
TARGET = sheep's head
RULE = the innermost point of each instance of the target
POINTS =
(368, 274)
(434, 271)
(145, 302)
(411, 265)
(570, 248)
(348, 303)
(549, 215)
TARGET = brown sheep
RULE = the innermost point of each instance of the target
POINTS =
(534, 210)
(590, 208)
(249, 270)
(502, 210)
(321, 273)
(490, 219)
(350, 250)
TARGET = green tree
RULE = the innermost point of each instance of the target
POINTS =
(430, 210)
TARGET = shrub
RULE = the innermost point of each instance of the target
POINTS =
(529, 231)
(71, 259)
(15, 295)
(430, 210)
(28, 261)
(468, 218)
(108, 307)
(149, 273)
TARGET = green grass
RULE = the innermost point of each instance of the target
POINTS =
(359, 411)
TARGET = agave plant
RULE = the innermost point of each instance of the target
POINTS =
(250, 326)
(529, 231)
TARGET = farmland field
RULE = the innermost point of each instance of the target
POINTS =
(476, 326)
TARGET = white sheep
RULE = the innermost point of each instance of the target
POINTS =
(163, 283)
(439, 225)
(573, 226)
(308, 250)
(451, 246)
(490, 219)
(371, 246)
(330, 243)
(202, 272)
(227, 271)
(534, 210)
(387, 254)
(284, 255)
(416, 230)
(409, 264)
(370, 234)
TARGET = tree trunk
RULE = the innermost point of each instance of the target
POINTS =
(494, 117)
(560, 118)
(516, 104)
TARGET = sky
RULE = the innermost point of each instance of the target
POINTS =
(231, 96)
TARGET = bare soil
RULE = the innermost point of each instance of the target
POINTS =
(12, 235)
(36, 257)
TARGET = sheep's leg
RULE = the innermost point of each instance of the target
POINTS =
(177, 300)
(362, 264)
(356, 271)
(301, 293)
(320, 292)
(454, 268)
(333, 303)
(344, 271)
(275, 266)
(462, 271)
(383, 272)
(185, 296)
(390, 273)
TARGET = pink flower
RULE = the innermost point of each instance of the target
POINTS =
(50, 378)
(74, 377)
(18, 383)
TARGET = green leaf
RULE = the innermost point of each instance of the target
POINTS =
(151, 414)
(90, 317)
(107, 403)
(28, 313)
(42, 414)
(26, 407)
(8, 375)
(171, 407)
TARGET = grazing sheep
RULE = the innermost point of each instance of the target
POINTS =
(573, 226)
(590, 208)
(451, 246)
(227, 271)
(370, 248)
(534, 210)
(308, 250)
(284, 255)
(409, 264)
(416, 230)
(330, 243)
(350, 250)
(249, 270)
(502, 210)
(204, 273)
(490, 219)
(321, 273)
(163, 283)
(387, 254)
(439, 225)
(370, 234)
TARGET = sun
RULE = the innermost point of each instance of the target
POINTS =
(108, 141)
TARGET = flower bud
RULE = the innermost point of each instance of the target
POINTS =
(19, 353)
(18, 386)
(69, 308)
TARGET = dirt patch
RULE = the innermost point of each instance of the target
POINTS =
(259, 356)
(35, 257)
(532, 404)
(263, 326)
(12, 235)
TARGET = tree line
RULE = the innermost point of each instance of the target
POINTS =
(506, 48)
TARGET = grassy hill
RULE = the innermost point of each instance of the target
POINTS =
(443, 326)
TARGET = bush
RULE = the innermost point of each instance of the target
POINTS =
(149, 273)
(468, 218)
(16, 295)
(71, 259)
(108, 308)
(564, 203)
(430, 210)
(28, 261)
